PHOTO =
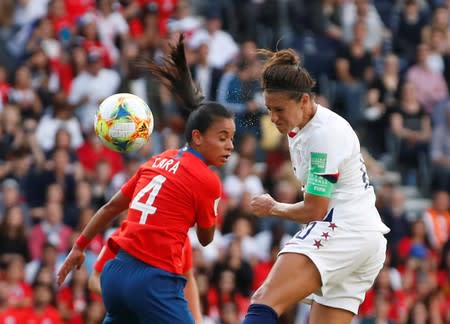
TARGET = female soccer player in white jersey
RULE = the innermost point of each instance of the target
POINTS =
(335, 259)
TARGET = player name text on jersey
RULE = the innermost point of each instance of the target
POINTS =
(169, 165)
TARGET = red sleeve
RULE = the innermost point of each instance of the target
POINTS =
(27, 290)
(208, 198)
(105, 255)
(187, 256)
(128, 187)
(54, 315)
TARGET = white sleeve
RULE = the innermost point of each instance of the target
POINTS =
(76, 91)
(327, 149)
(121, 23)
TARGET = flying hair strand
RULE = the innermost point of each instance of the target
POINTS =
(174, 73)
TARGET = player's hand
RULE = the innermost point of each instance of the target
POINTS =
(74, 260)
(262, 205)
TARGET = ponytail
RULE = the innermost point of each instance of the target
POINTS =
(176, 76)
(283, 72)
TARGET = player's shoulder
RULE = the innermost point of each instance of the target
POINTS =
(329, 124)
(207, 181)
(163, 155)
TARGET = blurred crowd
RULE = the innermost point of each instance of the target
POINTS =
(383, 64)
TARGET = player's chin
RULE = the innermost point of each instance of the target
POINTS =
(221, 160)
(282, 129)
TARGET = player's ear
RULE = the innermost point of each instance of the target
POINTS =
(196, 137)
(304, 99)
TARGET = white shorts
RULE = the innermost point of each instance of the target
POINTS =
(348, 261)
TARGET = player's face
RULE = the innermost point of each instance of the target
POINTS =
(286, 113)
(216, 143)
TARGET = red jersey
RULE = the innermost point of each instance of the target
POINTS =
(107, 254)
(169, 194)
(13, 315)
(165, 9)
(49, 315)
(90, 154)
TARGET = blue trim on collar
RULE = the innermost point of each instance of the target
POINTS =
(196, 153)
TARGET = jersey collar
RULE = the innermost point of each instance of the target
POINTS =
(293, 132)
(194, 152)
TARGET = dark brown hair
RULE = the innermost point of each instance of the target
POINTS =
(283, 72)
(174, 73)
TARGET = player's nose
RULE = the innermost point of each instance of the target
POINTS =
(273, 118)
(230, 145)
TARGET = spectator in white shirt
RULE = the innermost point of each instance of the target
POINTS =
(91, 87)
(61, 116)
(183, 22)
(243, 180)
(111, 25)
(353, 11)
(222, 47)
(28, 11)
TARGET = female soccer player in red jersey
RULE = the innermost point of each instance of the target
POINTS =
(170, 193)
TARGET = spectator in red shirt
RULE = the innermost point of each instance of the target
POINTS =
(19, 293)
(383, 289)
(226, 292)
(164, 9)
(4, 86)
(63, 22)
(91, 39)
(77, 8)
(43, 311)
(50, 229)
(74, 297)
(93, 151)
(262, 268)
(9, 314)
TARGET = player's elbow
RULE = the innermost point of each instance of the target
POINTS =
(205, 235)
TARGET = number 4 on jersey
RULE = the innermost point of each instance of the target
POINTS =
(146, 207)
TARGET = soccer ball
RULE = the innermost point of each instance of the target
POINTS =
(123, 122)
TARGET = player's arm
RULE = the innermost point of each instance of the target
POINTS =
(318, 190)
(192, 296)
(313, 208)
(205, 235)
(325, 155)
(207, 203)
(117, 204)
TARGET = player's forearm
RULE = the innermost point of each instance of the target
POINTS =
(192, 297)
(298, 212)
(100, 220)
(117, 204)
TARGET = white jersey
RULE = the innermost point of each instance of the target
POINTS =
(329, 140)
